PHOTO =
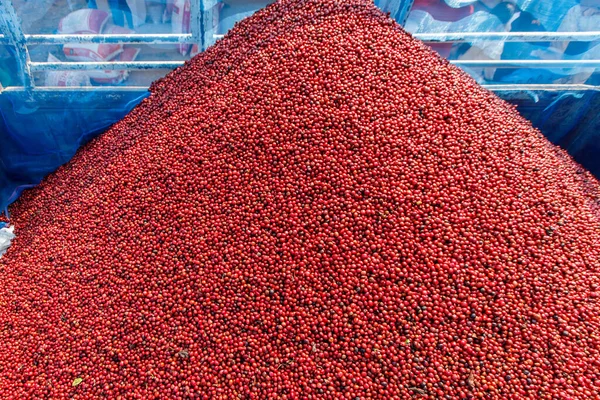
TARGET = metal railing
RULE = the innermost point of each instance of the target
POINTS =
(165, 38)
(9, 24)
(144, 65)
(12, 35)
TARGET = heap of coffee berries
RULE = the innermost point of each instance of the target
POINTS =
(316, 207)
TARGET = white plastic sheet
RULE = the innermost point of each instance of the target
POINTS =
(6, 237)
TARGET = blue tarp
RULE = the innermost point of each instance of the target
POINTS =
(40, 135)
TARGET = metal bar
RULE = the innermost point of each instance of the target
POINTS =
(201, 25)
(455, 37)
(133, 38)
(9, 24)
(143, 65)
(492, 87)
(549, 87)
(458, 37)
(196, 21)
(89, 89)
(105, 65)
(528, 63)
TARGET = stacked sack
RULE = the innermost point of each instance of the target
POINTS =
(91, 21)
(179, 13)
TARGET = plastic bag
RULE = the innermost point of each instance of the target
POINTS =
(92, 51)
(66, 78)
(6, 237)
(86, 21)
(113, 77)
(420, 21)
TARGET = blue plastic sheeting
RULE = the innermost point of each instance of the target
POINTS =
(569, 120)
(39, 136)
(541, 16)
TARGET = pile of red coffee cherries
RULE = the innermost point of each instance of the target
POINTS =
(316, 207)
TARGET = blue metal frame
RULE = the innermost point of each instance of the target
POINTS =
(10, 26)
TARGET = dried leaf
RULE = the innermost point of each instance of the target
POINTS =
(76, 382)
(471, 380)
(419, 391)
(184, 354)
